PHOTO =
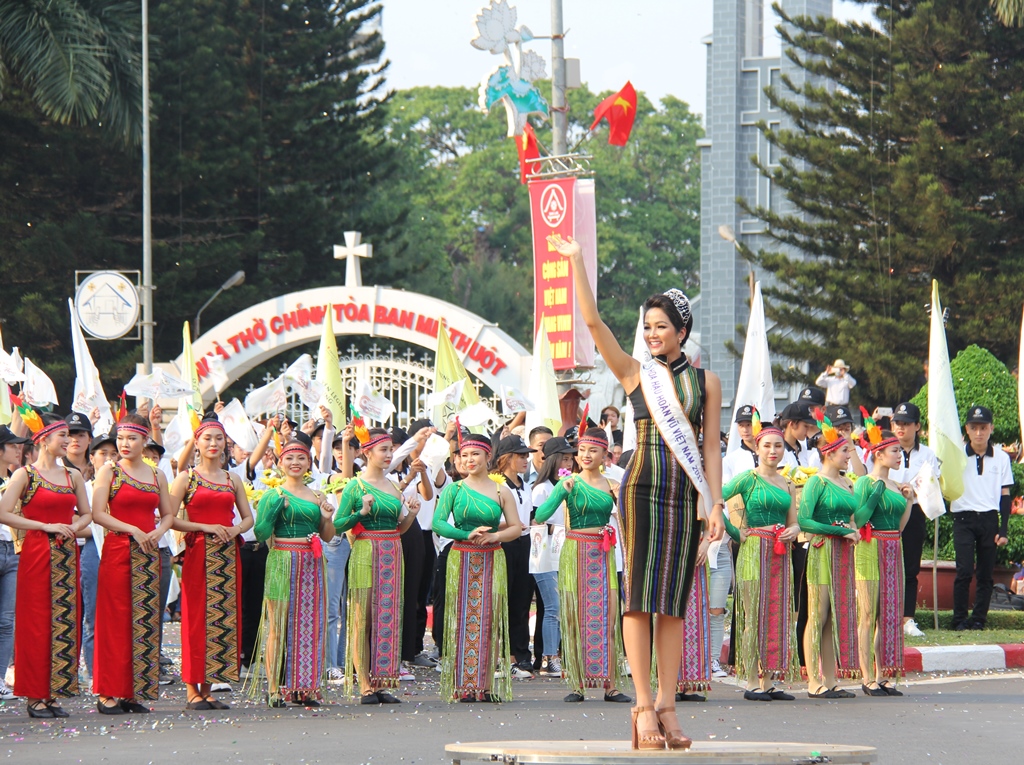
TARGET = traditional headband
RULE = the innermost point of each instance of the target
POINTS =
(294, 446)
(832, 438)
(46, 430)
(475, 442)
(875, 439)
(33, 421)
(767, 430)
(681, 302)
(142, 430)
(375, 441)
(590, 435)
(206, 425)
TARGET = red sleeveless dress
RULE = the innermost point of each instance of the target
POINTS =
(211, 596)
(127, 627)
(47, 605)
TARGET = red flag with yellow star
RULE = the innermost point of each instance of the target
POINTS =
(526, 145)
(620, 109)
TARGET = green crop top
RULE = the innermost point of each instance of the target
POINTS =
(879, 504)
(766, 504)
(385, 512)
(282, 514)
(588, 507)
(823, 504)
(470, 508)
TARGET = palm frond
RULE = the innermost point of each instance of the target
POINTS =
(1009, 12)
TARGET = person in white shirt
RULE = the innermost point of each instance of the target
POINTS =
(745, 457)
(837, 382)
(795, 422)
(906, 424)
(980, 519)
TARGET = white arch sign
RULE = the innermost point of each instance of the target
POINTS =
(274, 326)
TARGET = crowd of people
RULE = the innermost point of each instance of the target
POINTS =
(318, 556)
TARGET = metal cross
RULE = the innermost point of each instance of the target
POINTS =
(352, 252)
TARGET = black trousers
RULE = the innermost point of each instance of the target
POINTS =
(913, 543)
(974, 541)
(440, 582)
(426, 582)
(520, 594)
(412, 557)
(800, 594)
(254, 571)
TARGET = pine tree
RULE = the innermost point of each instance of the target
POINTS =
(906, 168)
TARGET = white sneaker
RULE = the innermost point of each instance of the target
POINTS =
(625, 666)
(716, 669)
(243, 673)
(6, 693)
(406, 676)
(553, 668)
(499, 674)
(335, 676)
(521, 674)
(911, 629)
(220, 688)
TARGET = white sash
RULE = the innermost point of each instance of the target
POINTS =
(675, 428)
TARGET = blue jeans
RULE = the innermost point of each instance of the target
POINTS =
(8, 590)
(718, 593)
(337, 553)
(89, 567)
(547, 584)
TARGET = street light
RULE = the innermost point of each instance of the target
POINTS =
(236, 278)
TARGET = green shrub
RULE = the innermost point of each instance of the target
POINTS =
(980, 379)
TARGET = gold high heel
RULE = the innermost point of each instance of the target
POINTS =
(648, 739)
(674, 737)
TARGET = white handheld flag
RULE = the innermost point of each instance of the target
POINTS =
(300, 376)
(10, 367)
(449, 397)
(543, 387)
(272, 398)
(477, 414)
(178, 430)
(158, 385)
(372, 404)
(38, 388)
(88, 389)
(237, 425)
(513, 402)
(755, 386)
(216, 372)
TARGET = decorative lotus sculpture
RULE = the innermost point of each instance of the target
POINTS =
(512, 83)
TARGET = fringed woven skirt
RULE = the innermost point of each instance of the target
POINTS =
(695, 668)
(292, 642)
(660, 531)
(765, 614)
(375, 594)
(880, 593)
(46, 624)
(588, 593)
(476, 639)
(831, 563)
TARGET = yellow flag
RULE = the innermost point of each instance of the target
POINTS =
(5, 397)
(449, 369)
(328, 372)
(543, 387)
(943, 418)
(190, 374)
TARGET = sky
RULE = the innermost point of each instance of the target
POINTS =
(656, 44)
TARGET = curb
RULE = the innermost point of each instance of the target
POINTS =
(963, 658)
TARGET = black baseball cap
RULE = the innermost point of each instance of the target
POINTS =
(78, 423)
(318, 426)
(796, 412)
(557, 445)
(981, 415)
(512, 445)
(158, 448)
(7, 436)
(839, 415)
(907, 412)
(399, 435)
(745, 413)
(812, 395)
(417, 425)
(103, 438)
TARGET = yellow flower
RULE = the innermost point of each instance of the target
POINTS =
(498, 478)
(149, 462)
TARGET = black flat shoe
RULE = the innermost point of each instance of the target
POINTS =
(214, 704)
(487, 698)
(618, 698)
(113, 709)
(57, 710)
(757, 696)
(824, 694)
(841, 694)
(309, 703)
(277, 703)
(134, 708)
(40, 712)
(199, 705)
(778, 695)
(873, 691)
(690, 697)
(890, 689)
(369, 698)
(573, 698)
(387, 698)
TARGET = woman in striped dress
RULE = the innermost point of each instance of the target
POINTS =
(661, 492)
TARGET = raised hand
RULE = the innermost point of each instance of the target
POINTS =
(565, 247)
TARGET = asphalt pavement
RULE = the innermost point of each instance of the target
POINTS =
(942, 720)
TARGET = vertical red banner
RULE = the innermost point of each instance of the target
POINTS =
(552, 211)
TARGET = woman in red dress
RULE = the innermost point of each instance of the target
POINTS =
(54, 508)
(210, 593)
(126, 499)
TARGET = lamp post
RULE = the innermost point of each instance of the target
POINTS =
(236, 278)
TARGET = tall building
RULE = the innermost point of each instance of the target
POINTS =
(737, 74)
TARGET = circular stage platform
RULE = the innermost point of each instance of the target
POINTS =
(620, 753)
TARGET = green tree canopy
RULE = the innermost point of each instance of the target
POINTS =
(905, 168)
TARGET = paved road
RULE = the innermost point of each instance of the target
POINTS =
(941, 721)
